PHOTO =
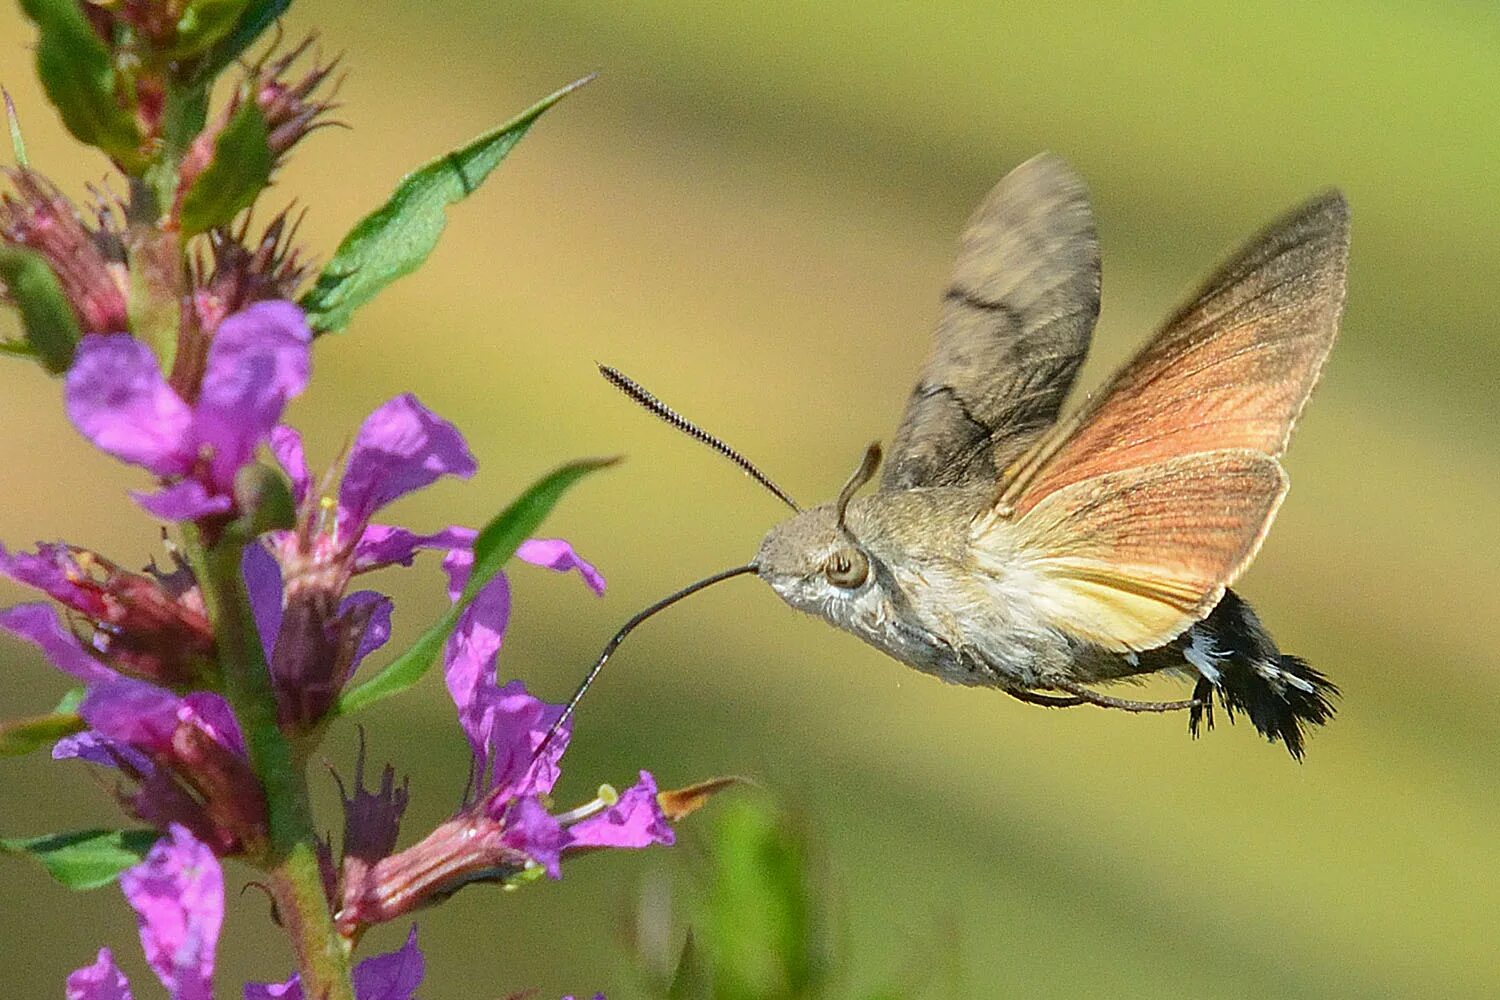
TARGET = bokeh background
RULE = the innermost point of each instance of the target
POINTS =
(753, 211)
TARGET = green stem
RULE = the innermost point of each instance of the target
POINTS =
(292, 861)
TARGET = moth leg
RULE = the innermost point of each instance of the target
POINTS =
(1124, 704)
(1050, 701)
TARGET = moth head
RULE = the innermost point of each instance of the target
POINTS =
(815, 561)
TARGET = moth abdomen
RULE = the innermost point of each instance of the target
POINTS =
(1238, 661)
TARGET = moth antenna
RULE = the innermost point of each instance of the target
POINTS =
(862, 475)
(619, 637)
(638, 393)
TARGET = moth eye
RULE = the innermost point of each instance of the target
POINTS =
(847, 568)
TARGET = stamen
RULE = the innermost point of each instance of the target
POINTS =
(606, 800)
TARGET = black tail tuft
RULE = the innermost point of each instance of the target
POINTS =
(1280, 694)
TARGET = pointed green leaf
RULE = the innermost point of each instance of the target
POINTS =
(393, 240)
(255, 18)
(692, 979)
(17, 349)
(23, 736)
(205, 22)
(239, 171)
(51, 326)
(17, 143)
(79, 75)
(84, 859)
(494, 546)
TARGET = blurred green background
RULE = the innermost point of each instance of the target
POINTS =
(753, 211)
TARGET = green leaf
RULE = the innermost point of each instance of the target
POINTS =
(692, 979)
(17, 349)
(183, 115)
(17, 143)
(79, 75)
(51, 326)
(84, 859)
(761, 923)
(255, 18)
(71, 699)
(23, 736)
(393, 240)
(204, 23)
(493, 547)
(239, 171)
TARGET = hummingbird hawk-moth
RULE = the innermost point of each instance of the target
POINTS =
(1007, 546)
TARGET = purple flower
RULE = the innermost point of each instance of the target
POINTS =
(392, 976)
(506, 828)
(101, 981)
(185, 755)
(314, 635)
(177, 893)
(117, 398)
(151, 627)
(634, 820)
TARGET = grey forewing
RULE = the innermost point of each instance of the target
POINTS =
(1014, 327)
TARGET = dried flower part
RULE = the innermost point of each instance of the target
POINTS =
(678, 803)
(89, 262)
(232, 275)
(184, 758)
(290, 109)
(372, 820)
(138, 624)
(469, 848)
(314, 639)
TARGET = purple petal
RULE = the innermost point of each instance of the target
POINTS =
(96, 749)
(117, 398)
(211, 713)
(286, 448)
(554, 553)
(530, 829)
(401, 447)
(101, 981)
(457, 564)
(178, 896)
(383, 545)
(133, 712)
(262, 575)
(392, 976)
(636, 820)
(469, 660)
(38, 624)
(259, 359)
(52, 569)
(516, 724)
(377, 629)
(187, 500)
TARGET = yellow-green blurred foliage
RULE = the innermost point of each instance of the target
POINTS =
(752, 211)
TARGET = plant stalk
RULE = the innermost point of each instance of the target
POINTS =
(291, 862)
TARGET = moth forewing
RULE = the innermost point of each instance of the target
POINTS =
(1014, 326)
